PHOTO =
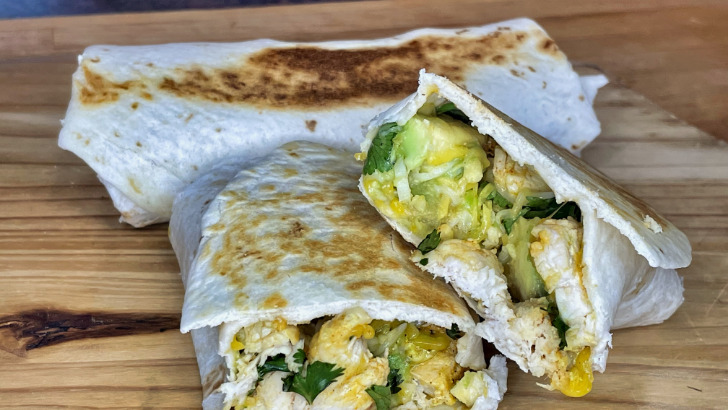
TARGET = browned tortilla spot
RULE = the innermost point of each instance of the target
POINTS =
(361, 284)
(311, 125)
(138, 144)
(341, 255)
(289, 172)
(274, 301)
(96, 89)
(298, 229)
(309, 77)
(549, 46)
(134, 105)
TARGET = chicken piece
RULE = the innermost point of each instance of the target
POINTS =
(437, 376)
(556, 253)
(350, 392)
(270, 395)
(264, 335)
(334, 342)
(511, 178)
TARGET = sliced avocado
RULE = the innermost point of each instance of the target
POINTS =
(524, 282)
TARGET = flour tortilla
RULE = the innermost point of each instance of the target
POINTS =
(630, 252)
(151, 119)
(292, 237)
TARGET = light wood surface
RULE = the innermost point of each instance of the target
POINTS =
(63, 253)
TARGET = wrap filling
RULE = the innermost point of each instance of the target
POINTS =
(351, 361)
(457, 191)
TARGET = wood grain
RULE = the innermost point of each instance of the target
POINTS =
(62, 248)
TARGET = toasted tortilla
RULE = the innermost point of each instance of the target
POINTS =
(291, 237)
(630, 252)
(151, 119)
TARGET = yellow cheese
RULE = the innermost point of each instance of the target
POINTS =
(577, 381)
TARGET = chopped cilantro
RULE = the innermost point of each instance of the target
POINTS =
(450, 109)
(424, 261)
(381, 395)
(498, 199)
(394, 379)
(430, 242)
(549, 208)
(275, 363)
(398, 364)
(454, 332)
(378, 156)
(299, 357)
(318, 376)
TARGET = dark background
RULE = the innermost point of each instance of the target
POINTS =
(42, 8)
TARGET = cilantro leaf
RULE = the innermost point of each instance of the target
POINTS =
(381, 395)
(319, 375)
(454, 332)
(424, 261)
(299, 357)
(508, 222)
(548, 207)
(378, 156)
(273, 364)
(398, 365)
(450, 109)
(498, 199)
(395, 377)
(430, 242)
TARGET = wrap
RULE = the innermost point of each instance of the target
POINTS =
(269, 254)
(548, 251)
(151, 119)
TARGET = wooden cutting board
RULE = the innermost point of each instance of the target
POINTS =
(89, 308)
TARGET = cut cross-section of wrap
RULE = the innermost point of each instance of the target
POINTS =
(546, 249)
(299, 295)
(151, 119)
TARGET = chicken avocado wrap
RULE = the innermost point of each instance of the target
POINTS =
(298, 295)
(549, 252)
(151, 119)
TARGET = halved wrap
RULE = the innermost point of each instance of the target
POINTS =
(151, 119)
(299, 295)
(547, 250)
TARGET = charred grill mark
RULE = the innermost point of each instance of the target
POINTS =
(308, 77)
(34, 329)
